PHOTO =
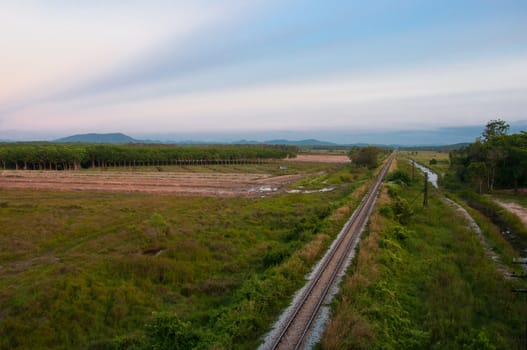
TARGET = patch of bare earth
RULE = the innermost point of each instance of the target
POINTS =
(199, 184)
(320, 158)
(514, 208)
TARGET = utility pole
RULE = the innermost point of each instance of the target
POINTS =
(425, 199)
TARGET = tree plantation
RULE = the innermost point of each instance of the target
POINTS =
(43, 156)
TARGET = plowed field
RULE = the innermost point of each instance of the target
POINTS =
(199, 184)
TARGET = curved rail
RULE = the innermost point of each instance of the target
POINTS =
(310, 300)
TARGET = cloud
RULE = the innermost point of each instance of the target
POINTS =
(461, 94)
(291, 64)
(49, 48)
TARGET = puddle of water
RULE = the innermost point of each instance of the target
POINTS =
(325, 189)
(264, 189)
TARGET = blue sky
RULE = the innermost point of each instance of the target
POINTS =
(260, 68)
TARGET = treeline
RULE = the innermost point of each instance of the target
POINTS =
(51, 156)
(496, 160)
(367, 156)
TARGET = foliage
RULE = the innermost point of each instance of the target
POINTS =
(402, 210)
(497, 160)
(399, 176)
(73, 156)
(168, 332)
(495, 128)
(365, 156)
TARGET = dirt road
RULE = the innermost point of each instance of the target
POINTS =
(514, 208)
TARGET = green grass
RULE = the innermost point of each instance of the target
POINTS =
(90, 270)
(425, 284)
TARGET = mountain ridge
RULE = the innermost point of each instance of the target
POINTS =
(97, 138)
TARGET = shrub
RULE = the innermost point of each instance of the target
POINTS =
(386, 211)
(399, 176)
(402, 210)
(400, 232)
(167, 331)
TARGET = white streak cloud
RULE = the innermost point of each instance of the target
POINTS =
(462, 94)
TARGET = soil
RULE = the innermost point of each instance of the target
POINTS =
(321, 158)
(514, 208)
(199, 184)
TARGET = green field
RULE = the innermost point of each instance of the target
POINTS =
(92, 270)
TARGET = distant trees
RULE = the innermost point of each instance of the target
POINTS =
(365, 156)
(495, 159)
(41, 156)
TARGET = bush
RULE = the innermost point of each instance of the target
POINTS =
(402, 210)
(386, 211)
(167, 331)
(400, 232)
(393, 190)
(399, 176)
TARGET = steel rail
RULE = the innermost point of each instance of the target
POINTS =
(357, 219)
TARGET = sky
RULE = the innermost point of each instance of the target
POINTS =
(259, 69)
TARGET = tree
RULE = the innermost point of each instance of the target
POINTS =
(365, 156)
(495, 128)
(477, 172)
(499, 159)
(515, 162)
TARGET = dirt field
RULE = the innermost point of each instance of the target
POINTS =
(320, 158)
(200, 184)
(514, 208)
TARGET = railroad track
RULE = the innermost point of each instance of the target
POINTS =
(293, 330)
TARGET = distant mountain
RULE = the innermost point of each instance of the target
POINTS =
(247, 142)
(308, 142)
(99, 138)
(444, 148)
